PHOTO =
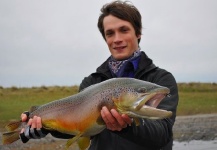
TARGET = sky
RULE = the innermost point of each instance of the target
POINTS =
(53, 42)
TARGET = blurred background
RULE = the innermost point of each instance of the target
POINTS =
(56, 42)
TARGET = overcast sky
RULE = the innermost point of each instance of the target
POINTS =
(57, 42)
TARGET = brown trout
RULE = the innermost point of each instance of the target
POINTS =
(79, 114)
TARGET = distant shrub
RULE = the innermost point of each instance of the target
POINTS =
(14, 88)
(197, 87)
(43, 87)
(214, 84)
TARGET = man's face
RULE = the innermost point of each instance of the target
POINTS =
(120, 37)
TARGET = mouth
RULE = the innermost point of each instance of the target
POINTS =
(151, 100)
(119, 47)
(149, 110)
(155, 100)
(147, 107)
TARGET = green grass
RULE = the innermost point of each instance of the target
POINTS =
(197, 98)
(14, 101)
(194, 98)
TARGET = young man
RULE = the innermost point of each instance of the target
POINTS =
(120, 25)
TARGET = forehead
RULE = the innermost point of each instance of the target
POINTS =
(111, 22)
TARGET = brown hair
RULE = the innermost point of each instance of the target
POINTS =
(124, 11)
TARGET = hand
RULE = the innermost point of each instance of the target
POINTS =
(113, 120)
(33, 130)
(34, 122)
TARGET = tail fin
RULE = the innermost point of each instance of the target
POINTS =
(10, 137)
(13, 125)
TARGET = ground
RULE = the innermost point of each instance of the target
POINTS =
(196, 127)
(186, 128)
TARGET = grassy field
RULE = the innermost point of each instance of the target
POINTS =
(14, 101)
(197, 98)
(194, 98)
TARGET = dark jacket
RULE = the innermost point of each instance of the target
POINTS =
(151, 134)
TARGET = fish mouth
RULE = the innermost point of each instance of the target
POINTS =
(147, 108)
(155, 100)
(152, 99)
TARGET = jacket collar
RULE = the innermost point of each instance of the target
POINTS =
(145, 65)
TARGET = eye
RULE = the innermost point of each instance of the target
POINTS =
(124, 29)
(142, 90)
(108, 33)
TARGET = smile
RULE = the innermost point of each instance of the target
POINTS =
(119, 47)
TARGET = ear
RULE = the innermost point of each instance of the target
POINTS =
(139, 36)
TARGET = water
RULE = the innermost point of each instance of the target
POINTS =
(195, 145)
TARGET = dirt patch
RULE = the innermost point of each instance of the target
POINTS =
(186, 128)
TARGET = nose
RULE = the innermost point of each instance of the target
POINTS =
(117, 38)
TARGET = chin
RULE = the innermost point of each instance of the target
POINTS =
(119, 58)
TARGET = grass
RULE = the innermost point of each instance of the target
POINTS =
(194, 98)
(197, 98)
(14, 101)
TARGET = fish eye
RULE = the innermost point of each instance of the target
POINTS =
(141, 90)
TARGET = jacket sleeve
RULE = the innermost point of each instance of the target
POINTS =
(156, 133)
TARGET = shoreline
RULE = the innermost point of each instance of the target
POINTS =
(195, 127)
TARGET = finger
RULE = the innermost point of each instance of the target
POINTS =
(29, 122)
(127, 119)
(23, 117)
(109, 116)
(119, 118)
(105, 113)
(104, 118)
(111, 121)
(38, 123)
(34, 122)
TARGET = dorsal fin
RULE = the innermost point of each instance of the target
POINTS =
(86, 88)
(33, 108)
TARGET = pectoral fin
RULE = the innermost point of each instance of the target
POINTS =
(71, 141)
(137, 122)
(83, 143)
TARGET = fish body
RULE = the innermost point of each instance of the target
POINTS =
(79, 114)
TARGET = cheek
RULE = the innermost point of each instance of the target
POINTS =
(133, 42)
(109, 42)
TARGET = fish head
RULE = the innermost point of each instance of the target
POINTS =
(141, 99)
(149, 94)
